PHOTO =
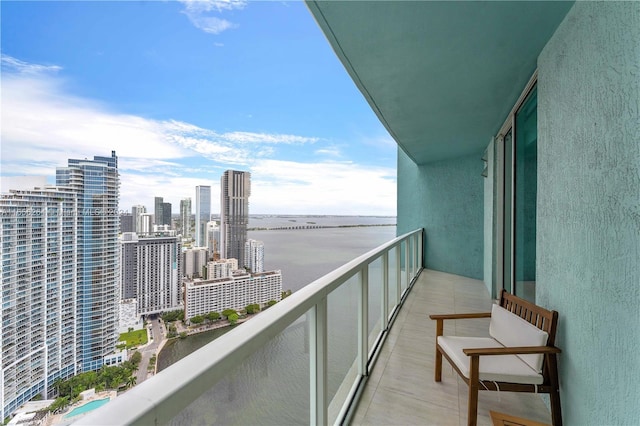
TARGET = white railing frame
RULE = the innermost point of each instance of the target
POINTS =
(165, 395)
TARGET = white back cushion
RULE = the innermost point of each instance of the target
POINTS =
(511, 330)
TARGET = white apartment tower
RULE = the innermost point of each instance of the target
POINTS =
(235, 292)
(136, 212)
(39, 281)
(146, 223)
(151, 272)
(203, 213)
(60, 276)
(193, 261)
(235, 189)
(254, 256)
(222, 268)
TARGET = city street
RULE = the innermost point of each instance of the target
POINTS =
(158, 333)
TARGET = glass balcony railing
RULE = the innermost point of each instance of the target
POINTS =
(304, 360)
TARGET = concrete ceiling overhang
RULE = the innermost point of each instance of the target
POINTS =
(441, 76)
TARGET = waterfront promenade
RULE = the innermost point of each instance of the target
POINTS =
(157, 337)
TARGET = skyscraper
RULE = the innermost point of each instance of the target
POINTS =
(185, 217)
(146, 223)
(213, 240)
(151, 272)
(126, 222)
(166, 214)
(254, 256)
(203, 213)
(136, 212)
(235, 189)
(60, 276)
(96, 183)
(158, 215)
(39, 254)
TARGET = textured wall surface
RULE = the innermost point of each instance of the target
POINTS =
(588, 239)
(446, 198)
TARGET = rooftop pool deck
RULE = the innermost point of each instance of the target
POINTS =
(89, 406)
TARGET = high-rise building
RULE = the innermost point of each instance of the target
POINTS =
(222, 268)
(151, 272)
(235, 189)
(254, 256)
(203, 213)
(213, 240)
(60, 275)
(39, 251)
(136, 212)
(194, 260)
(96, 183)
(126, 222)
(166, 214)
(146, 223)
(235, 292)
(185, 217)
(158, 214)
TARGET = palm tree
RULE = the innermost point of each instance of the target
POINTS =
(131, 381)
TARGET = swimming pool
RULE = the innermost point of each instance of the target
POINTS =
(89, 406)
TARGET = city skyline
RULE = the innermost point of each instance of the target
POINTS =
(202, 87)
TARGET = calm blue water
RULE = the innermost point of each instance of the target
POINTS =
(89, 406)
(272, 386)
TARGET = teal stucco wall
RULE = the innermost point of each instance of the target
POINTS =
(588, 218)
(446, 199)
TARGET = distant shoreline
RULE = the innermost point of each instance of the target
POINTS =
(316, 226)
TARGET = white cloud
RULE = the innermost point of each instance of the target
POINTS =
(331, 151)
(38, 116)
(322, 188)
(200, 12)
(16, 65)
(43, 126)
(216, 5)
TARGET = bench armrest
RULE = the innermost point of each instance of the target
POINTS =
(520, 350)
(441, 317)
(460, 316)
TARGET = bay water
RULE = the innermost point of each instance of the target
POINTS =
(272, 386)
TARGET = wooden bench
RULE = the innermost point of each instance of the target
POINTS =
(520, 355)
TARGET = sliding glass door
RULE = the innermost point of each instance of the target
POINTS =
(525, 197)
(516, 198)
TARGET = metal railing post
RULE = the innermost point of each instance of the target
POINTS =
(385, 290)
(363, 321)
(318, 364)
(406, 262)
(398, 273)
(420, 248)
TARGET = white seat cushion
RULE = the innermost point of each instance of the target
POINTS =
(513, 331)
(497, 368)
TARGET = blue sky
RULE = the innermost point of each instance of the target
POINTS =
(183, 90)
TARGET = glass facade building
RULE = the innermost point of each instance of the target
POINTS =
(203, 213)
(235, 189)
(185, 218)
(96, 183)
(60, 274)
(39, 284)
